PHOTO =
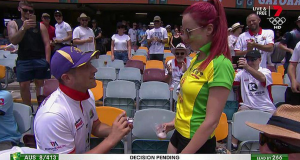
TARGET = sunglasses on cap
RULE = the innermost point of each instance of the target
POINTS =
(278, 146)
(28, 10)
(179, 53)
(251, 59)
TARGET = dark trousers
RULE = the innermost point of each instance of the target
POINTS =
(159, 57)
(291, 97)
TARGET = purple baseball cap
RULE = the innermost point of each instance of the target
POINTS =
(67, 58)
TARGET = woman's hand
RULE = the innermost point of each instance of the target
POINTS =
(169, 126)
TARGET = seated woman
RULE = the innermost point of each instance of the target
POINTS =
(176, 67)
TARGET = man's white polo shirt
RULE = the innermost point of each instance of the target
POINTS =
(255, 94)
(63, 124)
(176, 71)
(264, 37)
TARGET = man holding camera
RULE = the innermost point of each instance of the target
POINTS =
(34, 50)
(254, 82)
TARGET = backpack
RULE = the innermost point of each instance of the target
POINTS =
(278, 54)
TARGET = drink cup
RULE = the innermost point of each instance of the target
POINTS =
(160, 132)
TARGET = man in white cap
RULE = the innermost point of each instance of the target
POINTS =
(83, 36)
(235, 30)
(255, 39)
(281, 135)
(157, 37)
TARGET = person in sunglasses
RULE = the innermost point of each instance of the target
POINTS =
(83, 36)
(254, 81)
(206, 84)
(63, 32)
(176, 67)
(281, 135)
(34, 51)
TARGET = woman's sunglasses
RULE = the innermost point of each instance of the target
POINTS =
(189, 31)
(278, 146)
(28, 10)
(179, 53)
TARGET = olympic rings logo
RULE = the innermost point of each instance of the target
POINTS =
(277, 20)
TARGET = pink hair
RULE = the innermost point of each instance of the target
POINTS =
(212, 12)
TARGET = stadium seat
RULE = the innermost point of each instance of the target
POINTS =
(144, 48)
(121, 94)
(167, 51)
(277, 78)
(154, 74)
(154, 64)
(278, 93)
(117, 64)
(98, 63)
(141, 51)
(3, 77)
(11, 56)
(98, 91)
(105, 57)
(23, 116)
(141, 54)
(139, 57)
(136, 64)
(131, 74)
(108, 53)
(221, 131)
(168, 55)
(154, 95)
(169, 58)
(106, 74)
(193, 54)
(108, 114)
(248, 136)
(280, 69)
(146, 141)
(11, 63)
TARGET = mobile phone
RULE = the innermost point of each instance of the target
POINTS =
(32, 17)
(235, 60)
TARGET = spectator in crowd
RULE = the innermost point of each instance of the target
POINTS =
(281, 134)
(143, 36)
(173, 31)
(206, 84)
(236, 30)
(51, 29)
(176, 67)
(150, 26)
(254, 81)
(255, 39)
(292, 93)
(176, 38)
(126, 26)
(98, 35)
(167, 45)
(71, 109)
(63, 32)
(83, 36)
(9, 134)
(34, 50)
(288, 43)
(133, 35)
(120, 45)
(156, 38)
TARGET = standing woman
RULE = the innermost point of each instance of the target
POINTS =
(176, 38)
(120, 45)
(206, 84)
